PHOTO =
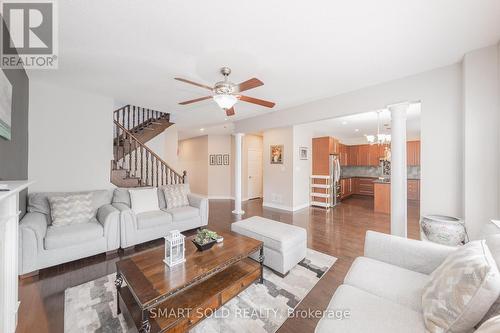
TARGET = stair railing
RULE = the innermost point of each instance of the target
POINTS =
(135, 118)
(132, 155)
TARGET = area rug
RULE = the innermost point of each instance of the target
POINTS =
(91, 307)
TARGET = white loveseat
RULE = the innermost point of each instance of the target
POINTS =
(147, 226)
(383, 289)
(42, 245)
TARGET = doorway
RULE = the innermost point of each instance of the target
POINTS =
(254, 179)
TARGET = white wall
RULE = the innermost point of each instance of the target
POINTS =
(253, 142)
(278, 178)
(481, 146)
(166, 146)
(219, 176)
(70, 139)
(193, 159)
(302, 137)
(440, 92)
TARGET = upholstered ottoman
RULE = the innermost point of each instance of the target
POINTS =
(284, 244)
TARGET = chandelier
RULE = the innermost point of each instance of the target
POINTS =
(380, 138)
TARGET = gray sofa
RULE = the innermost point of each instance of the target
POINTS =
(143, 227)
(42, 245)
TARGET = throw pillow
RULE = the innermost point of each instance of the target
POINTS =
(490, 326)
(71, 209)
(144, 200)
(461, 290)
(176, 196)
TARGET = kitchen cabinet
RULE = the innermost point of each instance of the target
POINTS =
(365, 186)
(382, 198)
(334, 146)
(363, 155)
(346, 188)
(344, 155)
(413, 153)
(374, 155)
(321, 155)
(413, 186)
(352, 155)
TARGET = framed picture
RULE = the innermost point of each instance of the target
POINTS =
(219, 159)
(213, 160)
(276, 154)
(303, 153)
(5, 107)
(226, 159)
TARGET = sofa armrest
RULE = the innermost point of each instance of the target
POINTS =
(109, 217)
(32, 231)
(418, 256)
(201, 203)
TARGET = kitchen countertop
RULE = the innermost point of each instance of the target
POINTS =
(376, 179)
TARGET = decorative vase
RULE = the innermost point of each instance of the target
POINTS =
(444, 230)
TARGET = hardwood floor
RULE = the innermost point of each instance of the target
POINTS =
(339, 232)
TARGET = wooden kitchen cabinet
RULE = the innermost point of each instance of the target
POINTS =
(413, 153)
(365, 186)
(363, 155)
(374, 155)
(346, 188)
(413, 189)
(352, 155)
(343, 155)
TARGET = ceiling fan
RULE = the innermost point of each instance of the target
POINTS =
(226, 94)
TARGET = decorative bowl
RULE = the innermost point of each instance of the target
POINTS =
(444, 230)
(206, 246)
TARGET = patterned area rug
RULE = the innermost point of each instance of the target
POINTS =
(91, 307)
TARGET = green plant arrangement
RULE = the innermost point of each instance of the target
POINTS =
(205, 239)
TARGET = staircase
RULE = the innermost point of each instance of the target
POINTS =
(134, 164)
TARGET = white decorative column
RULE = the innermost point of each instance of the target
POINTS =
(237, 174)
(398, 169)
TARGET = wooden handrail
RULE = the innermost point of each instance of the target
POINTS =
(153, 170)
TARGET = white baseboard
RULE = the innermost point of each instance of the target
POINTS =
(284, 207)
(223, 197)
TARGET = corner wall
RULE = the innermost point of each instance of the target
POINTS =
(71, 139)
(481, 88)
(193, 159)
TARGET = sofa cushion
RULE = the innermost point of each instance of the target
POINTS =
(71, 209)
(38, 202)
(153, 219)
(65, 236)
(144, 200)
(183, 213)
(275, 235)
(368, 313)
(176, 196)
(391, 282)
(461, 289)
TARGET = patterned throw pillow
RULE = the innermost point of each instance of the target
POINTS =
(461, 290)
(490, 326)
(176, 196)
(71, 209)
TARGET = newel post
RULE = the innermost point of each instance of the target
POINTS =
(184, 177)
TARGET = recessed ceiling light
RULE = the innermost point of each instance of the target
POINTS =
(344, 122)
(226, 119)
(356, 130)
(202, 129)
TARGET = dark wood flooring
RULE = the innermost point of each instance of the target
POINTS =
(339, 232)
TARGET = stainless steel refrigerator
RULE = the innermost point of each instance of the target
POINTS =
(335, 180)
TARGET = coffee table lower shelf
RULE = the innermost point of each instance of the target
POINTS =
(185, 309)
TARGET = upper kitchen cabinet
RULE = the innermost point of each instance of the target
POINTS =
(334, 145)
(344, 155)
(413, 153)
(363, 155)
(321, 148)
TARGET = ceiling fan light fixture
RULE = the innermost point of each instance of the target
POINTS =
(225, 101)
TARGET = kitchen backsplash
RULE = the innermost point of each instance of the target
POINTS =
(413, 172)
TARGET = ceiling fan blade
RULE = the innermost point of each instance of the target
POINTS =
(193, 83)
(249, 84)
(230, 112)
(195, 100)
(256, 101)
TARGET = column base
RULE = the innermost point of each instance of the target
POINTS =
(238, 212)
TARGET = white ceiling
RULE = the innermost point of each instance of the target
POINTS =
(301, 50)
(352, 129)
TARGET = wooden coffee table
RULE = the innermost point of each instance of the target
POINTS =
(158, 298)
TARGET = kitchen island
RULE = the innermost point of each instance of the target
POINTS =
(382, 196)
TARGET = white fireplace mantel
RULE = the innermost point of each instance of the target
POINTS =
(9, 225)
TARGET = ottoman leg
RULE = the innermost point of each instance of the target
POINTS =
(261, 260)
